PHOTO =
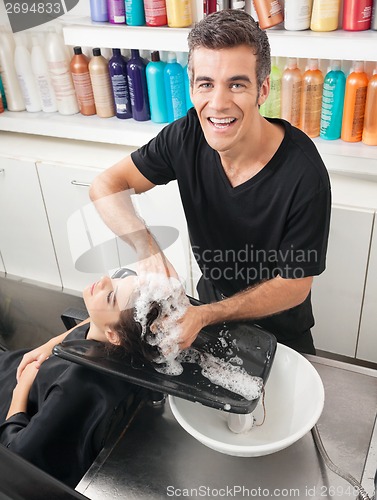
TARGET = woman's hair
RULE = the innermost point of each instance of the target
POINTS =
(131, 337)
(230, 28)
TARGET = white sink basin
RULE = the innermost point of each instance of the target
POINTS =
(294, 398)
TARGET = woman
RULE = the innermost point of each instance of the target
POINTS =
(57, 414)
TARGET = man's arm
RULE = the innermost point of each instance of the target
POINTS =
(266, 299)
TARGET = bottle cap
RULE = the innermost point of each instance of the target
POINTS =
(96, 51)
(116, 52)
(172, 58)
(358, 66)
(155, 56)
(335, 65)
(77, 50)
(292, 62)
(313, 64)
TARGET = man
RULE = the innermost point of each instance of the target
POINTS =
(255, 191)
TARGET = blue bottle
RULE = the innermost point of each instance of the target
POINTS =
(135, 15)
(2, 91)
(137, 85)
(156, 89)
(332, 103)
(118, 77)
(189, 103)
(99, 10)
(174, 88)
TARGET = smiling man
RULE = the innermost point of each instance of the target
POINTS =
(255, 191)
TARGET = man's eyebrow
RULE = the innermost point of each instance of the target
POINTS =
(235, 78)
(203, 79)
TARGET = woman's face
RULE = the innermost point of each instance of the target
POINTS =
(105, 298)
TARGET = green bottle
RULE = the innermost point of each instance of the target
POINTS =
(332, 102)
(271, 108)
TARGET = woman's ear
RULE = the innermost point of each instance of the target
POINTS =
(112, 337)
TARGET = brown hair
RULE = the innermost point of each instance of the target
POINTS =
(230, 28)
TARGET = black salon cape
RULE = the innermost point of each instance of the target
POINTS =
(70, 411)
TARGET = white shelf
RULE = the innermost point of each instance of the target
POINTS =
(304, 44)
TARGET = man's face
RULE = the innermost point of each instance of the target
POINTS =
(225, 96)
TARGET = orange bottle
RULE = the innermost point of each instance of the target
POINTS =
(311, 99)
(269, 12)
(291, 85)
(82, 83)
(354, 104)
(370, 119)
(1, 105)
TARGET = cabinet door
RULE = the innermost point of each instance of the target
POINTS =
(161, 209)
(85, 248)
(25, 239)
(338, 292)
(367, 345)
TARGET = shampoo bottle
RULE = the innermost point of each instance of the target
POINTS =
(79, 67)
(2, 92)
(100, 78)
(210, 6)
(42, 77)
(332, 102)
(155, 12)
(12, 89)
(183, 62)
(357, 15)
(99, 11)
(135, 13)
(137, 85)
(116, 11)
(25, 75)
(156, 89)
(179, 13)
(325, 15)
(271, 108)
(269, 12)
(311, 99)
(291, 86)
(370, 120)
(119, 84)
(60, 75)
(297, 14)
(1, 104)
(354, 104)
(174, 88)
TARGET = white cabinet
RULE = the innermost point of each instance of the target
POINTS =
(85, 248)
(338, 292)
(25, 240)
(367, 345)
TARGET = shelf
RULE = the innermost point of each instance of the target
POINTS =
(304, 44)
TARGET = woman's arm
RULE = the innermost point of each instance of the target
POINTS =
(22, 389)
(41, 353)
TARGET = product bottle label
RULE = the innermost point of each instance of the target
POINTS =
(44, 91)
(83, 87)
(61, 79)
(359, 110)
(120, 90)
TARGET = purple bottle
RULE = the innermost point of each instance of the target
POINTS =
(118, 76)
(98, 10)
(137, 84)
(117, 12)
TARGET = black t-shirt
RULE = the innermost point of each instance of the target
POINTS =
(277, 222)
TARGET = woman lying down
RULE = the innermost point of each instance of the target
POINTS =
(56, 414)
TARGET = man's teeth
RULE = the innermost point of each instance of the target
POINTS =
(222, 121)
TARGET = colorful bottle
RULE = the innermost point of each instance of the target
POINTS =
(325, 15)
(297, 14)
(79, 67)
(183, 62)
(60, 75)
(354, 104)
(174, 88)
(25, 75)
(357, 15)
(179, 13)
(155, 12)
(2, 93)
(156, 89)
(119, 84)
(271, 108)
(210, 6)
(116, 11)
(12, 89)
(291, 86)
(100, 78)
(135, 15)
(238, 4)
(332, 102)
(137, 85)
(42, 77)
(311, 99)
(370, 120)
(269, 12)
(1, 104)
(99, 11)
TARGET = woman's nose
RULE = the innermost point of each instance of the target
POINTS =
(103, 282)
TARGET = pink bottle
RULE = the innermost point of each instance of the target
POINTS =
(357, 15)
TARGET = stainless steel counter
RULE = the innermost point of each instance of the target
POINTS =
(155, 458)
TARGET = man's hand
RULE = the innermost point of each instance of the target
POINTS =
(191, 323)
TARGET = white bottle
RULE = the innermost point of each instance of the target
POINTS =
(61, 77)
(40, 70)
(25, 75)
(15, 100)
(297, 14)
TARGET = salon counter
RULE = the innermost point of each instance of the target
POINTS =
(155, 458)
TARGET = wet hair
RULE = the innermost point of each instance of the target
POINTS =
(231, 28)
(132, 340)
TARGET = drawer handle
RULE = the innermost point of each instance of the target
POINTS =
(78, 183)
